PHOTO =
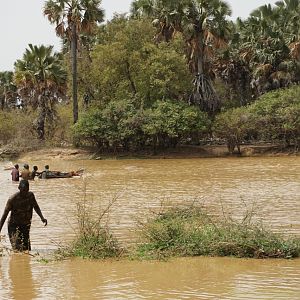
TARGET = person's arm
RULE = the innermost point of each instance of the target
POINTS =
(5, 213)
(38, 211)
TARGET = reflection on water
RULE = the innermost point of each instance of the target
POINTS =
(187, 278)
(270, 186)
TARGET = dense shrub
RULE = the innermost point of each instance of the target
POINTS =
(192, 232)
(111, 126)
(15, 127)
(273, 117)
(120, 124)
(59, 131)
(276, 115)
(167, 123)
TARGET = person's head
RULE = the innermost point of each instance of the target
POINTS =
(17, 166)
(26, 166)
(23, 186)
(47, 167)
(35, 168)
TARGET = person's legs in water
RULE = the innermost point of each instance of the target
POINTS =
(19, 237)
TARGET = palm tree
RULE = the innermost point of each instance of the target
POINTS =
(269, 40)
(41, 82)
(203, 25)
(71, 18)
(206, 29)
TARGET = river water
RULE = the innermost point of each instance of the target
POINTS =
(269, 187)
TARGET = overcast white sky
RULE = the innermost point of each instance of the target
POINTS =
(22, 22)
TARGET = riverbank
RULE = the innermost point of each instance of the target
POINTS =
(179, 152)
(188, 151)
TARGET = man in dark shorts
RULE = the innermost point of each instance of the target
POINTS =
(21, 206)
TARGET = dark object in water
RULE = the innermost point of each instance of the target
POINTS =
(58, 174)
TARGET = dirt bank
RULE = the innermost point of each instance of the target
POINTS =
(179, 152)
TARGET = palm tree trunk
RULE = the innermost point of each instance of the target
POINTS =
(74, 72)
(41, 123)
(200, 56)
(204, 93)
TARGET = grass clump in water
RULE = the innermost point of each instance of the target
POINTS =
(93, 240)
(192, 232)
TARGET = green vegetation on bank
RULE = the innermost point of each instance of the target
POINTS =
(274, 117)
(121, 126)
(180, 232)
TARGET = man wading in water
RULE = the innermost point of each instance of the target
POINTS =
(20, 206)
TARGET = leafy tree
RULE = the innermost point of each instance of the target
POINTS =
(73, 17)
(233, 125)
(127, 65)
(41, 82)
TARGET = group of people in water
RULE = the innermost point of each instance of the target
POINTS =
(26, 174)
(21, 204)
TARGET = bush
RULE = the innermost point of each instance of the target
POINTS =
(276, 115)
(111, 126)
(59, 131)
(273, 117)
(167, 123)
(192, 232)
(120, 124)
(93, 240)
(15, 128)
(233, 125)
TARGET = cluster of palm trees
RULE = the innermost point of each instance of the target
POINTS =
(40, 78)
(256, 55)
(267, 45)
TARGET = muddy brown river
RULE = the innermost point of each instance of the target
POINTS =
(269, 186)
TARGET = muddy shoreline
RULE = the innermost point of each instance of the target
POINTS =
(179, 152)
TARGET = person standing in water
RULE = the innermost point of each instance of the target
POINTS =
(25, 173)
(34, 173)
(21, 206)
(15, 174)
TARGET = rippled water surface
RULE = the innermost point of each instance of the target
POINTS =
(268, 186)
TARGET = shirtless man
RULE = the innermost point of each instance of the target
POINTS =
(21, 206)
